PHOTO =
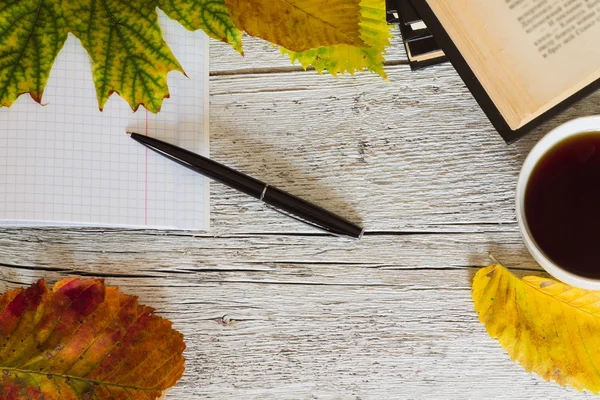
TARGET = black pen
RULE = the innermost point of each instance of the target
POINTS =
(281, 201)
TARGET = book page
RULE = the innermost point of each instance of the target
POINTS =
(529, 55)
(67, 163)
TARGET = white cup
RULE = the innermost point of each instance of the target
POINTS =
(570, 129)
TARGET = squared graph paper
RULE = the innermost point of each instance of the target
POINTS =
(67, 163)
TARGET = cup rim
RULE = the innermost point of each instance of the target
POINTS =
(569, 129)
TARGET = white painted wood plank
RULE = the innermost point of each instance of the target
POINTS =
(303, 317)
(414, 153)
(173, 256)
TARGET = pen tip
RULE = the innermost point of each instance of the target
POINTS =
(130, 133)
(361, 234)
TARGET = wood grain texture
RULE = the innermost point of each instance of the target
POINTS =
(271, 309)
(413, 154)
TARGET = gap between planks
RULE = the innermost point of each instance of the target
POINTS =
(291, 68)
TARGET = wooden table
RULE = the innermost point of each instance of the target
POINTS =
(273, 309)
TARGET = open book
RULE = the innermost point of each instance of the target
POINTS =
(530, 58)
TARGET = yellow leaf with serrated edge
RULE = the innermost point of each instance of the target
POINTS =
(125, 43)
(299, 25)
(549, 327)
(31, 36)
(375, 33)
(211, 16)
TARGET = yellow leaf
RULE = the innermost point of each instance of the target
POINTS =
(374, 31)
(299, 25)
(549, 327)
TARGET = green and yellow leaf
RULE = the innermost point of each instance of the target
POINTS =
(299, 25)
(31, 36)
(374, 32)
(211, 16)
(549, 327)
(125, 43)
(130, 57)
(83, 340)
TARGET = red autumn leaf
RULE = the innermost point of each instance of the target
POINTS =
(83, 340)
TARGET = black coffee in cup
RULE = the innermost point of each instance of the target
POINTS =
(562, 204)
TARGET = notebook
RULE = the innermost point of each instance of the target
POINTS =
(523, 60)
(67, 163)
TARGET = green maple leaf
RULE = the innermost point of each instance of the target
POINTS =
(211, 16)
(31, 36)
(374, 32)
(122, 37)
(125, 43)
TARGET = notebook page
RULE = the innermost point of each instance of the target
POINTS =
(68, 163)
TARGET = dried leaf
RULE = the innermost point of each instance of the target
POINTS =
(84, 341)
(549, 327)
(375, 33)
(299, 25)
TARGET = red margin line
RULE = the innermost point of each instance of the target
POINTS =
(146, 185)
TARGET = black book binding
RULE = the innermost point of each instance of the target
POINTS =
(421, 47)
